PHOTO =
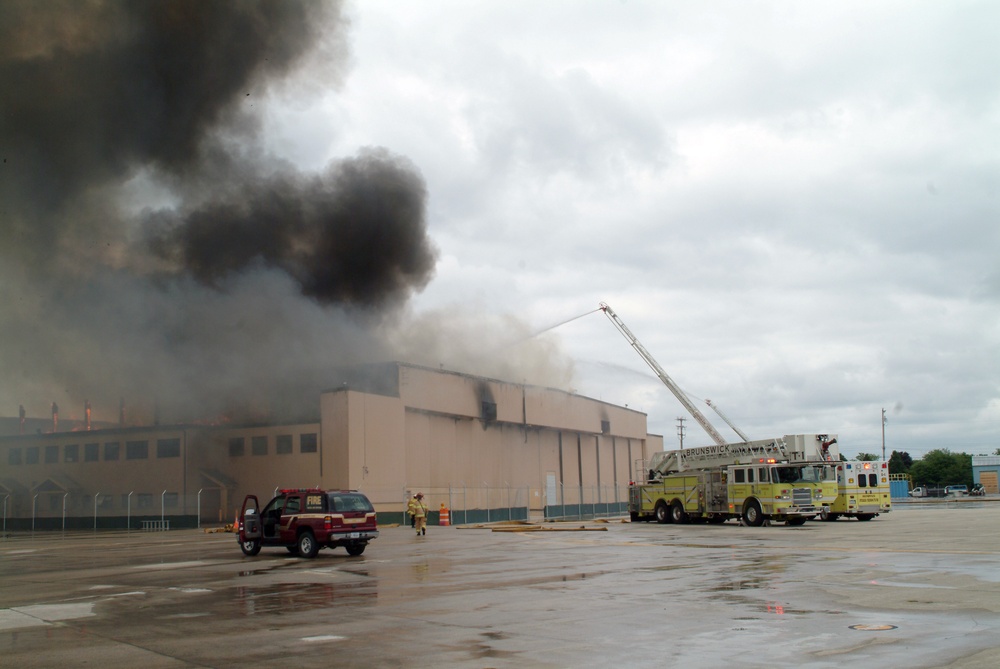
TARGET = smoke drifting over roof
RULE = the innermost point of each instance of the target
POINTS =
(150, 248)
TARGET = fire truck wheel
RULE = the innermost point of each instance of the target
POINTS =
(662, 513)
(865, 516)
(677, 514)
(356, 549)
(752, 515)
(827, 516)
(307, 545)
(250, 547)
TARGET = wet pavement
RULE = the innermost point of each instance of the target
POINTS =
(919, 587)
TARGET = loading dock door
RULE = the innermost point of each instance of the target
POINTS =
(989, 481)
(550, 489)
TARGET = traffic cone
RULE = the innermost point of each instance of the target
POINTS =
(444, 516)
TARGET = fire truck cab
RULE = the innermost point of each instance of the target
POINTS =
(305, 520)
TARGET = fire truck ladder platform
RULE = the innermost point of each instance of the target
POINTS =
(703, 457)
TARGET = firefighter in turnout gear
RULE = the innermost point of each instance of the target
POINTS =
(418, 509)
(411, 510)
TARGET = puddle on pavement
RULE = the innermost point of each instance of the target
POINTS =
(482, 648)
(898, 584)
(782, 609)
(179, 616)
(750, 583)
(323, 638)
(552, 580)
(287, 597)
(666, 567)
(272, 566)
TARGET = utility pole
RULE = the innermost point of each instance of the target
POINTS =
(883, 434)
(680, 430)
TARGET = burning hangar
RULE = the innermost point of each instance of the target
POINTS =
(484, 448)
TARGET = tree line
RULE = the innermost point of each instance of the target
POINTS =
(939, 467)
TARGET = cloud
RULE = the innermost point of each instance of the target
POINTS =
(792, 207)
(747, 186)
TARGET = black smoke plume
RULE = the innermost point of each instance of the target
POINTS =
(150, 248)
(352, 235)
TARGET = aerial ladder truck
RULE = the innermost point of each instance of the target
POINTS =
(790, 479)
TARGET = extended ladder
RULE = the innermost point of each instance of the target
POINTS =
(790, 448)
(702, 457)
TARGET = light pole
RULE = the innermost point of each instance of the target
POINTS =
(883, 434)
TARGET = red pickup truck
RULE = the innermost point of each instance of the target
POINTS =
(305, 520)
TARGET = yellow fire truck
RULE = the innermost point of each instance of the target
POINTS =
(862, 491)
(791, 479)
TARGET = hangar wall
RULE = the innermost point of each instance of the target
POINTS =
(442, 431)
(407, 428)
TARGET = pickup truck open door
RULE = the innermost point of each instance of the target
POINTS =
(250, 526)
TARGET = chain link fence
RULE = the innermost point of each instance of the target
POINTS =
(211, 507)
(507, 503)
(132, 510)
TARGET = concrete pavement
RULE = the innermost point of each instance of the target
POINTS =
(919, 587)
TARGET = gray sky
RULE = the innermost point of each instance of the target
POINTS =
(793, 206)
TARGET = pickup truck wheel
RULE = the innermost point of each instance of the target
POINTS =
(356, 549)
(250, 547)
(307, 545)
(677, 514)
(662, 513)
(752, 515)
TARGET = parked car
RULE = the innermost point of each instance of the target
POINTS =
(956, 490)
